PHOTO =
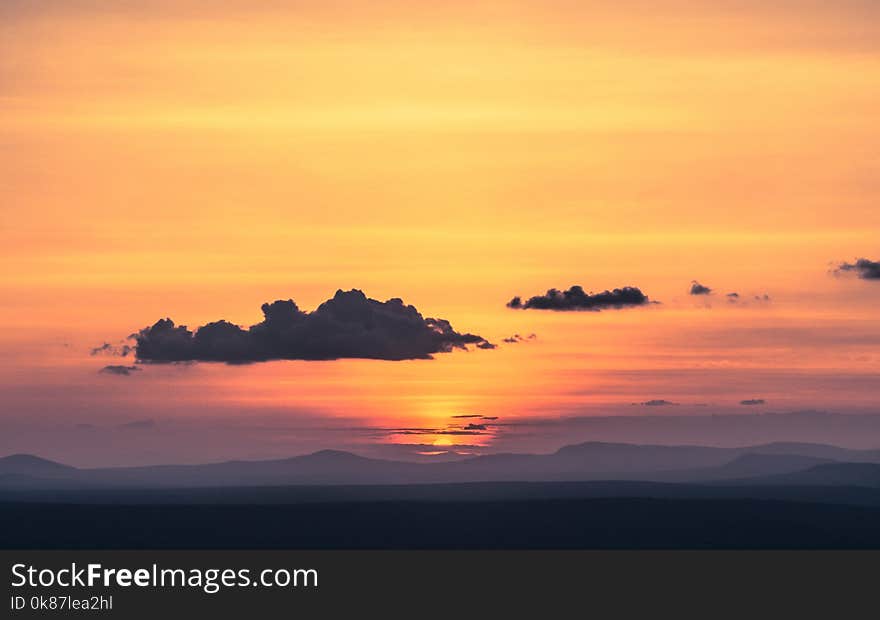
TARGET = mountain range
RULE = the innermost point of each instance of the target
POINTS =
(774, 463)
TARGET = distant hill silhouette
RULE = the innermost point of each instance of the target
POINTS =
(29, 465)
(747, 465)
(580, 462)
(589, 495)
(831, 474)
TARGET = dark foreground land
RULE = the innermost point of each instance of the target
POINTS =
(569, 523)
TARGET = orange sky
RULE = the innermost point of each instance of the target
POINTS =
(196, 159)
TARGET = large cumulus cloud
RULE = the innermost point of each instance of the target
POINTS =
(576, 299)
(350, 325)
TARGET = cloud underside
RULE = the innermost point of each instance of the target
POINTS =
(575, 299)
(350, 325)
(862, 267)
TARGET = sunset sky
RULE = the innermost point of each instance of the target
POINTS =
(193, 160)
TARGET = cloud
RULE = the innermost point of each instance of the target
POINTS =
(122, 350)
(516, 338)
(862, 267)
(350, 325)
(736, 298)
(475, 416)
(699, 289)
(124, 371)
(657, 402)
(434, 431)
(752, 401)
(139, 424)
(475, 427)
(576, 299)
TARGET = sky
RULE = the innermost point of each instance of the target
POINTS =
(195, 160)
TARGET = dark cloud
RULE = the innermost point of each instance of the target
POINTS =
(752, 401)
(576, 299)
(350, 325)
(736, 298)
(474, 416)
(434, 431)
(475, 427)
(119, 370)
(139, 424)
(862, 267)
(699, 289)
(657, 402)
(516, 338)
(122, 350)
